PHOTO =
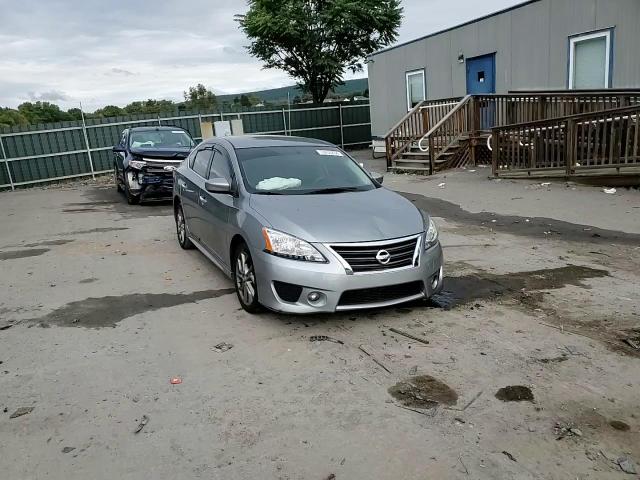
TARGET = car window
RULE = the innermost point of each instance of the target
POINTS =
(160, 139)
(220, 167)
(201, 161)
(300, 170)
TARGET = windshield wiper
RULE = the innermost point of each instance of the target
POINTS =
(270, 193)
(322, 191)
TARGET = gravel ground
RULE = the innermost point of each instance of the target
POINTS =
(525, 374)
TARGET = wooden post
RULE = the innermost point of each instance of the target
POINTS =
(495, 144)
(431, 156)
(475, 122)
(570, 146)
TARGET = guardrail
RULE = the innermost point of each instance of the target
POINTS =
(83, 149)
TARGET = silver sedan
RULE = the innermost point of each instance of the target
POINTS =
(300, 227)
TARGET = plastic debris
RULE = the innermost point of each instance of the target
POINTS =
(222, 347)
(21, 411)
(324, 338)
(610, 191)
(175, 381)
(546, 184)
(143, 421)
(442, 185)
(633, 342)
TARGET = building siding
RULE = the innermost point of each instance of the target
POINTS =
(531, 45)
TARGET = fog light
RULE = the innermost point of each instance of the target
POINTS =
(314, 297)
(434, 283)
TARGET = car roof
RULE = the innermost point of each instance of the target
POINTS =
(253, 141)
(147, 129)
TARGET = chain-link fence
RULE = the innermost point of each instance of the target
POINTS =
(44, 153)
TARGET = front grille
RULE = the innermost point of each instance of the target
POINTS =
(362, 258)
(380, 294)
(287, 291)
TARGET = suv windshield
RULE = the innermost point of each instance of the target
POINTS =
(300, 170)
(160, 139)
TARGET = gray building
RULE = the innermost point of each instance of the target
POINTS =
(536, 45)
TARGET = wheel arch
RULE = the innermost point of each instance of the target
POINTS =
(235, 241)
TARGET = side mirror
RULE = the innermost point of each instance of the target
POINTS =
(378, 177)
(118, 149)
(217, 185)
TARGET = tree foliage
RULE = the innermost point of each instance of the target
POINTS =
(43, 112)
(200, 98)
(317, 41)
(10, 118)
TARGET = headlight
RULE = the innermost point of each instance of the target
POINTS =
(283, 245)
(431, 237)
(137, 164)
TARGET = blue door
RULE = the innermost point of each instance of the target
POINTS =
(481, 80)
(481, 75)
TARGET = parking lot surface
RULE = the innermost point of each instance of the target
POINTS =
(523, 368)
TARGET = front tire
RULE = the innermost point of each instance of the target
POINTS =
(181, 229)
(244, 280)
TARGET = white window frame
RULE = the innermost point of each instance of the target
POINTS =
(572, 55)
(420, 71)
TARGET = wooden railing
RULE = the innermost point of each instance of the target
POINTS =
(413, 126)
(572, 144)
(439, 124)
(448, 130)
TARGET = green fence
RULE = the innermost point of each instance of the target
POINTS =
(43, 153)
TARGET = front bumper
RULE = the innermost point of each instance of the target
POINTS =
(150, 183)
(332, 281)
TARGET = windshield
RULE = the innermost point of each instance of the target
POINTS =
(160, 139)
(300, 170)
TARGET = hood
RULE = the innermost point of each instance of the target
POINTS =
(169, 154)
(378, 214)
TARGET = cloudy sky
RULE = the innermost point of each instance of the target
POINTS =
(105, 52)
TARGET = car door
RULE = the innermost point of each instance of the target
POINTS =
(218, 207)
(190, 185)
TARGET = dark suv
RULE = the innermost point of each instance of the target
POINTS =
(145, 159)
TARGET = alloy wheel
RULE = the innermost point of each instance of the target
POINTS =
(245, 278)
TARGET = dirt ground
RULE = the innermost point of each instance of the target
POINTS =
(525, 375)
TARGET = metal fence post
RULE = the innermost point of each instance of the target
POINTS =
(6, 163)
(341, 128)
(86, 141)
(284, 121)
(159, 122)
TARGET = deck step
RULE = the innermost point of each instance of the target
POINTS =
(410, 169)
(402, 160)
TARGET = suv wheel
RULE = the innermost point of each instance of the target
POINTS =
(131, 198)
(181, 229)
(244, 279)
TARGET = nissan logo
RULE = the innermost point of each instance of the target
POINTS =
(383, 257)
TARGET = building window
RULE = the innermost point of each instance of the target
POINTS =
(416, 88)
(590, 60)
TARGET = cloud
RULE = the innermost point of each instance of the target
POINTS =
(120, 71)
(50, 96)
(79, 50)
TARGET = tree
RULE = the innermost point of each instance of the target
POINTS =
(150, 106)
(245, 101)
(43, 112)
(10, 118)
(109, 111)
(200, 98)
(75, 113)
(317, 41)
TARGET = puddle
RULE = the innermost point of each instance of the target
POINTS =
(535, 227)
(621, 426)
(108, 200)
(515, 393)
(88, 280)
(15, 254)
(479, 286)
(108, 311)
(44, 243)
(423, 392)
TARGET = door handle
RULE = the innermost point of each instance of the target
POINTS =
(203, 200)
